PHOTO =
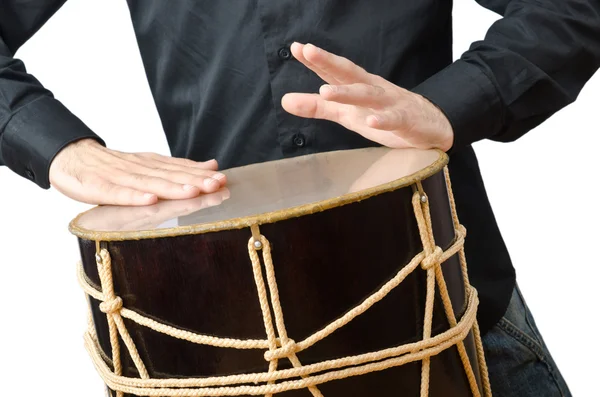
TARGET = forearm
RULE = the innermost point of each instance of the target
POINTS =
(34, 126)
(532, 63)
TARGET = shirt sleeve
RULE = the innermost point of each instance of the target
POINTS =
(34, 126)
(532, 62)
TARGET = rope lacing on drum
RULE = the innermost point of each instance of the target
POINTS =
(282, 346)
(111, 306)
(432, 259)
(283, 351)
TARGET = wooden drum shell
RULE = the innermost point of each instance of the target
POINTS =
(326, 263)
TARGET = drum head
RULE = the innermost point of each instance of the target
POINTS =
(267, 192)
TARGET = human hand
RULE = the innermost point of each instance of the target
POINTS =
(88, 172)
(368, 104)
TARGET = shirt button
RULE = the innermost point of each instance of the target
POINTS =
(299, 140)
(29, 173)
(284, 53)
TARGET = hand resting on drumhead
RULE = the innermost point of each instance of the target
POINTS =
(88, 172)
(368, 104)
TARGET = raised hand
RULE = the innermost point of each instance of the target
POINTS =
(368, 104)
(88, 172)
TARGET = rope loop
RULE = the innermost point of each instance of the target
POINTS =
(433, 259)
(113, 305)
(287, 349)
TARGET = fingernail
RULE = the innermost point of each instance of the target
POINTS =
(327, 87)
(148, 195)
(210, 183)
(226, 194)
(218, 176)
(188, 187)
(314, 47)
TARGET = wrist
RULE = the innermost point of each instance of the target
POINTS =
(443, 136)
(70, 154)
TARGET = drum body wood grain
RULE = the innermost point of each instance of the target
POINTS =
(326, 263)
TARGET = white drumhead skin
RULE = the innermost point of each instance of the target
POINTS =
(267, 192)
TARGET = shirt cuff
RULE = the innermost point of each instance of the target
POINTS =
(469, 100)
(36, 133)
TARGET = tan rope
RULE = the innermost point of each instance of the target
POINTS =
(318, 367)
(433, 254)
(487, 388)
(111, 305)
(102, 263)
(263, 299)
(282, 346)
(269, 268)
(197, 387)
(170, 330)
(425, 218)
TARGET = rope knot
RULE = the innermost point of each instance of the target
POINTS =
(287, 349)
(111, 306)
(432, 259)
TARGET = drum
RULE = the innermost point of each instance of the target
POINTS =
(332, 274)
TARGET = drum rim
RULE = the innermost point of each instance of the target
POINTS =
(266, 217)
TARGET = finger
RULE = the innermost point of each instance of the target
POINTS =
(390, 120)
(194, 176)
(297, 52)
(184, 175)
(181, 165)
(203, 179)
(164, 188)
(156, 161)
(365, 95)
(340, 68)
(312, 106)
(353, 118)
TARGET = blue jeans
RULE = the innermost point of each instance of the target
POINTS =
(519, 362)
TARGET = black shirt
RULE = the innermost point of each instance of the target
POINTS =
(218, 70)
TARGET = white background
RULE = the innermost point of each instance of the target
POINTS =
(542, 188)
